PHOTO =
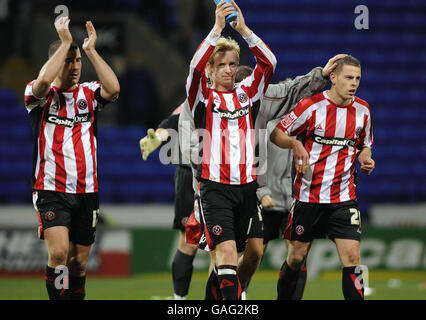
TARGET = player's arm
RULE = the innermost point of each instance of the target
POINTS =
(197, 82)
(51, 68)
(365, 160)
(257, 84)
(110, 85)
(366, 144)
(300, 155)
(154, 139)
(281, 98)
(264, 195)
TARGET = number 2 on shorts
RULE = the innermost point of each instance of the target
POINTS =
(355, 217)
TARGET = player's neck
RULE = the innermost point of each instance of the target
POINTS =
(337, 99)
(223, 88)
(63, 85)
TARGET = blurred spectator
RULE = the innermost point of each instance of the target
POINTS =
(194, 19)
(155, 12)
(139, 99)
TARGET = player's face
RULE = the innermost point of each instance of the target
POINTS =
(224, 69)
(346, 81)
(71, 70)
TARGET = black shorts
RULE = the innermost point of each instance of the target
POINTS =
(257, 224)
(308, 221)
(78, 212)
(274, 223)
(184, 197)
(227, 211)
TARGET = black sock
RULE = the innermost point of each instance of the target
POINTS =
(287, 281)
(300, 285)
(228, 282)
(352, 283)
(77, 287)
(212, 287)
(54, 293)
(182, 272)
(244, 286)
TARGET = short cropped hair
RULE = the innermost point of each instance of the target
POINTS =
(55, 45)
(347, 60)
(242, 73)
(223, 45)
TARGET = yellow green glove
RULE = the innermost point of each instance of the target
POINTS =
(149, 143)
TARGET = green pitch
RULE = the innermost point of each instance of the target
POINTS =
(151, 286)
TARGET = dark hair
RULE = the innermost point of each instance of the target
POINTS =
(242, 73)
(55, 45)
(348, 60)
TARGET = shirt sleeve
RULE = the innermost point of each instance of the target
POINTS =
(366, 137)
(30, 100)
(295, 122)
(95, 89)
(196, 83)
(257, 83)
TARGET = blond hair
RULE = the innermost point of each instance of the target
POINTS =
(223, 45)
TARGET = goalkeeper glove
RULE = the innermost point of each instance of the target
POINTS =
(149, 143)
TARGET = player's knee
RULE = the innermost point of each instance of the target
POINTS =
(77, 265)
(351, 258)
(226, 253)
(296, 259)
(58, 256)
(188, 249)
(258, 251)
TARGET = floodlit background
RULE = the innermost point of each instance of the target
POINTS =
(149, 45)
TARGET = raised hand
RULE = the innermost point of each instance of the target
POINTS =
(223, 9)
(62, 28)
(331, 64)
(149, 143)
(90, 42)
(239, 24)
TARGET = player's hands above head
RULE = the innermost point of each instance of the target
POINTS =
(331, 64)
(149, 143)
(90, 41)
(267, 202)
(223, 9)
(239, 24)
(62, 28)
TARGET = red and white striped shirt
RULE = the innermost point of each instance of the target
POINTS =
(227, 117)
(64, 124)
(333, 135)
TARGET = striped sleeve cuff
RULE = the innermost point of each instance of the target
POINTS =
(252, 39)
(212, 38)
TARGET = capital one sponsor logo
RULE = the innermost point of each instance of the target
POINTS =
(339, 142)
(232, 115)
(68, 122)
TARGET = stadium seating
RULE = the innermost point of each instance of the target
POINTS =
(393, 81)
